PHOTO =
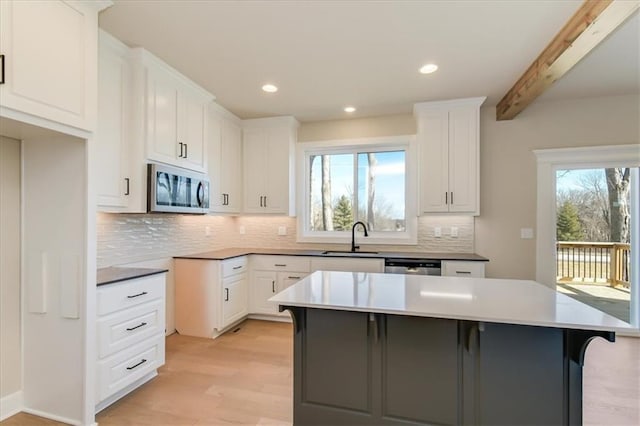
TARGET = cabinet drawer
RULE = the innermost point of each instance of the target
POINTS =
(125, 367)
(462, 269)
(234, 266)
(123, 295)
(126, 328)
(281, 263)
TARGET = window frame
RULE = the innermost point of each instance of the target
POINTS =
(304, 150)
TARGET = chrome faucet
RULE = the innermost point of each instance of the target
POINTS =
(353, 235)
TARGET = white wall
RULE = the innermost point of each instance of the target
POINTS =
(54, 190)
(508, 168)
(10, 351)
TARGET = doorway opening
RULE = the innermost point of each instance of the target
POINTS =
(593, 229)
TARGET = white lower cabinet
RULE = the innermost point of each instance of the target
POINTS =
(459, 268)
(130, 335)
(211, 295)
(347, 264)
(235, 297)
(271, 275)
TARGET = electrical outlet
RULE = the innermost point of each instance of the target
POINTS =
(454, 232)
(242, 230)
(437, 232)
(282, 230)
(207, 231)
(526, 233)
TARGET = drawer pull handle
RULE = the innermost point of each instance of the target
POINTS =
(281, 265)
(137, 295)
(294, 278)
(137, 365)
(237, 267)
(273, 286)
(463, 272)
(142, 324)
(226, 294)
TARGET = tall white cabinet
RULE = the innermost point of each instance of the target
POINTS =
(449, 142)
(225, 160)
(49, 70)
(120, 165)
(269, 154)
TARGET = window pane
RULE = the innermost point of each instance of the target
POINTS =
(381, 190)
(331, 192)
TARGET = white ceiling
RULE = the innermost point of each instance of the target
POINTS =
(324, 55)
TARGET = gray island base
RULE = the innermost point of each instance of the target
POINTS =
(362, 364)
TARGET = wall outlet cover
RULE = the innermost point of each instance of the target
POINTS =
(454, 231)
(526, 233)
(437, 232)
(282, 230)
(242, 230)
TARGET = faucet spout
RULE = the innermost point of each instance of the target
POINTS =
(353, 235)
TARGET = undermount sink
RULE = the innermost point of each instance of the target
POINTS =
(349, 253)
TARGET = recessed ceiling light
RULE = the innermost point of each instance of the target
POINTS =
(428, 69)
(349, 109)
(269, 88)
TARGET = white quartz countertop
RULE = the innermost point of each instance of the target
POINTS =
(473, 299)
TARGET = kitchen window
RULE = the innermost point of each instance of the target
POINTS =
(368, 180)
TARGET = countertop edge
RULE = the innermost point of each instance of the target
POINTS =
(128, 275)
(221, 255)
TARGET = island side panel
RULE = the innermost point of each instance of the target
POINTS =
(520, 376)
(420, 370)
(332, 368)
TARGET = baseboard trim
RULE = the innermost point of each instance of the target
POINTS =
(125, 391)
(52, 416)
(11, 404)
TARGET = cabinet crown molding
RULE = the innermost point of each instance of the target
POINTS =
(255, 123)
(422, 107)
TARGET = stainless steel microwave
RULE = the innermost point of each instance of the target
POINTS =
(175, 190)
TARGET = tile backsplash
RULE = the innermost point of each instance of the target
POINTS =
(128, 238)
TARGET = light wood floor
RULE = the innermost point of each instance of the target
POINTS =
(245, 378)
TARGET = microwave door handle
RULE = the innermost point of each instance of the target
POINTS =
(200, 194)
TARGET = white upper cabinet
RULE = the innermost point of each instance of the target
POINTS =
(449, 142)
(119, 162)
(50, 62)
(225, 160)
(175, 111)
(269, 152)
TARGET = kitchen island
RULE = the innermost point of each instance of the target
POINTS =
(398, 349)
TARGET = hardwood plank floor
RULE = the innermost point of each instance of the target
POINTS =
(245, 377)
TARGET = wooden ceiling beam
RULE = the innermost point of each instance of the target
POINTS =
(591, 24)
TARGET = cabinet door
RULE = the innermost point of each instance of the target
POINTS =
(255, 169)
(346, 264)
(463, 160)
(234, 299)
(231, 177)
(50, 53)
(114, 87)
(162, 113)
(191, 131)
(285, 280)
(277, 172)
(420, 371)
(433, 142)
(263, 286)
(215, 163)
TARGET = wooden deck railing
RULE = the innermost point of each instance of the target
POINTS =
(593, 262)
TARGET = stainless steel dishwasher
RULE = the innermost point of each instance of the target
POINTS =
(413, 266)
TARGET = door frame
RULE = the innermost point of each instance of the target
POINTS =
(551, 160)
